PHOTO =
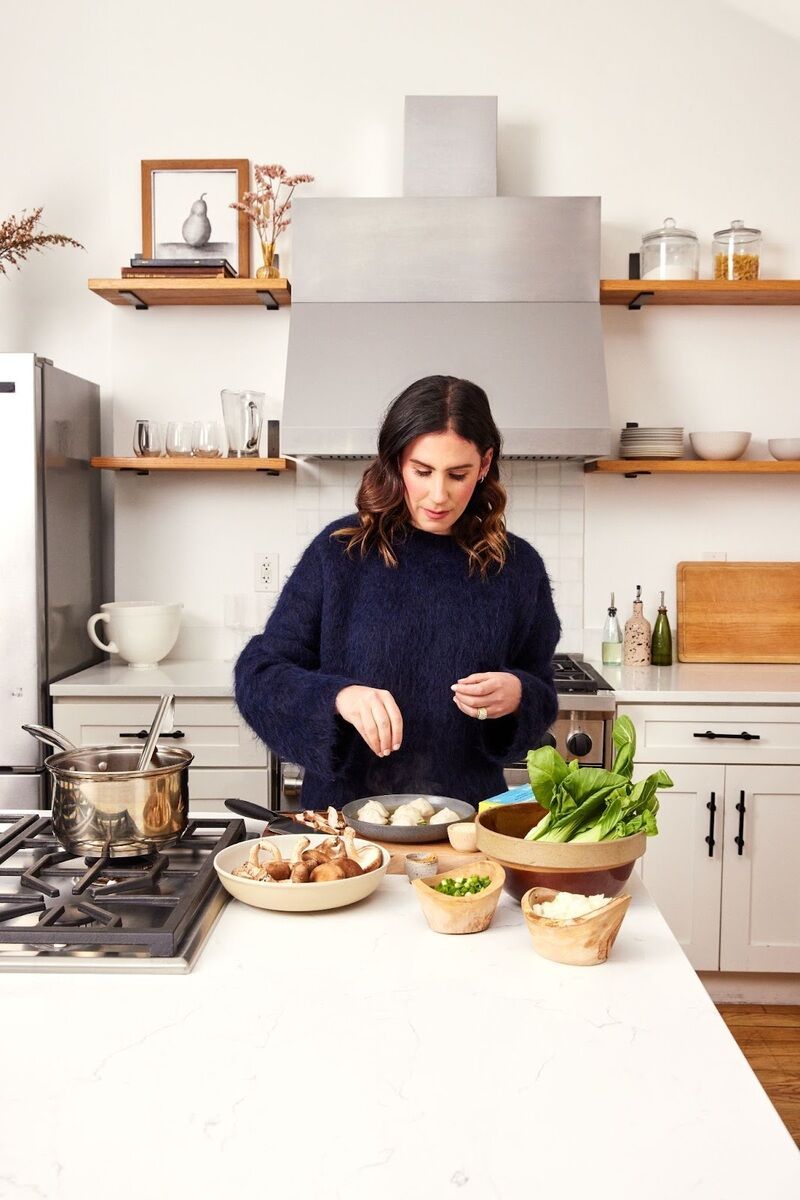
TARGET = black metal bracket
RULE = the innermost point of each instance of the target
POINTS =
(633, 474)
(639, 299)
(133, 299)
(268, 300)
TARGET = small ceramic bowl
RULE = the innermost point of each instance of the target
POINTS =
(463, 836)
(421, 864)
(785, 449)
(720, 444)
(578, 941)
(461, 914)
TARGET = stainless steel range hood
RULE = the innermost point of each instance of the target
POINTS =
(500, 290)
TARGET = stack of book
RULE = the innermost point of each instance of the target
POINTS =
(179, 268)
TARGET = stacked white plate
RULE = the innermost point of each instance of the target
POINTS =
(648, 441)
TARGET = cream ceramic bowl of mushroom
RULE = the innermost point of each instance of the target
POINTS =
(295, 873)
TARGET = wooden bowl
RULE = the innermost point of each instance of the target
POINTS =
(579, 941)
(586, 868)
(461, 914)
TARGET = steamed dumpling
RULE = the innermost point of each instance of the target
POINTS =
(406, 814)
(374, 813)
(423, 807)
(443, 816)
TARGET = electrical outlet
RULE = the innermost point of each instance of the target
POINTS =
(267, 578)
(715, 556)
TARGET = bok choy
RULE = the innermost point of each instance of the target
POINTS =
(589, 804)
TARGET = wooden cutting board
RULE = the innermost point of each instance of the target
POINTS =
(739, 612)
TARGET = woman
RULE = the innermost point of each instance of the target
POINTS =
(410, 650)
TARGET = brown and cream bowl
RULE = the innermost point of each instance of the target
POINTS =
(586, 868)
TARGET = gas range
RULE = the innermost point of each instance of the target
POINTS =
(61, 912)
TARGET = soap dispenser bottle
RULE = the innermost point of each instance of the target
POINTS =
(636, 646)
(661, 646)
(612, 637)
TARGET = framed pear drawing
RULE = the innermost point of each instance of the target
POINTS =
(186, 211)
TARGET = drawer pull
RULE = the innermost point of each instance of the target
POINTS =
(740, 808)
(744, 736)
(712, 808)
(178, 733)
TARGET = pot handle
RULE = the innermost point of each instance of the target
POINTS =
(111, 648)
(49, 737)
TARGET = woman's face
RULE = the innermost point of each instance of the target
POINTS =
(440, 472)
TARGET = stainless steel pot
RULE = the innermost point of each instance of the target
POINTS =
(103, 805)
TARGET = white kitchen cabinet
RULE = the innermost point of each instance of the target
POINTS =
(730, 910)
(761, 887)
(681, 868)
(229, 760)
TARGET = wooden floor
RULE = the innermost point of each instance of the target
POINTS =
(769, 1037)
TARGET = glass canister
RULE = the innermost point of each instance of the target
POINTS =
(737, 252)
(670, 253)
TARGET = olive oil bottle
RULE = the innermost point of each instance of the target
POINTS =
(612, 637)
(661, 648)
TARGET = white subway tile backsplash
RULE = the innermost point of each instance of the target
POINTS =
(570, 520)
(548, 498)
(571, 498)
(547, 522)
(523, 498)
(571, 569)
(548, 473)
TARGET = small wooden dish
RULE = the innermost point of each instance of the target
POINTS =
(579, 941)
(461, 914)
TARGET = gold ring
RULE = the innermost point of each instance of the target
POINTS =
(482, 714)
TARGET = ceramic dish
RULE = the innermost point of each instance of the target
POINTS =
(461, 914)
(720, 444)
(294, 897)
(579, 941)
(785, 449)
(586, 868)
(405, 833)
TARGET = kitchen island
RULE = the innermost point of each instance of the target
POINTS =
(355, 1054)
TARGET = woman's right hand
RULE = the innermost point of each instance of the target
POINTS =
(375, 715)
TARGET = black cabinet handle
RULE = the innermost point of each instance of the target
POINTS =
(740, 808)
(744, 736)
(178, 734)
(712, 808)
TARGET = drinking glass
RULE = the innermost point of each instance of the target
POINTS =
(243, 413)
(207, 439)
(179, 439)
(147, 439)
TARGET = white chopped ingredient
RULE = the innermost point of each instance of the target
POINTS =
(444, 816)
(566, 905)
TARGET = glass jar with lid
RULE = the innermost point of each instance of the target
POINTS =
(670, 253)
(736, 252)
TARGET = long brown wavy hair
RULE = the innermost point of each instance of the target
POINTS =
(435, 404)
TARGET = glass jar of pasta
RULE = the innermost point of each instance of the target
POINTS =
(736, 252)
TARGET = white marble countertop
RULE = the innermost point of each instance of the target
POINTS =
(691, 683)
(354, 1054)
(705, 683)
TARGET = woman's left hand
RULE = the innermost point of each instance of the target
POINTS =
(489, 694)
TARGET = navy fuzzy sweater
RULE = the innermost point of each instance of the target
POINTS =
(414, 630)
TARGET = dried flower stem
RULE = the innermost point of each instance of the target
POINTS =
(18, 237)
(266, 207)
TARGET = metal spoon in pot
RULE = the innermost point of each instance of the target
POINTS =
(163, 720)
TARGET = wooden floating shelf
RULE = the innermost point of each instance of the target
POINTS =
(636, 293)
(143, 466)
(152, 293)
(689, 466)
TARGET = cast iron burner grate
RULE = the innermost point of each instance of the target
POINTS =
(573, 675)
(50, 897)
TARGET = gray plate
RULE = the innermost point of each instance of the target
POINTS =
(406, 833)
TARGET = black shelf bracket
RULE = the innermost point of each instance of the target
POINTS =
(268, 300)
(639, 299)
(634, 474)
(133, 299)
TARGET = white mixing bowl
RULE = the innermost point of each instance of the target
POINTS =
(719, 444)
(785, 449)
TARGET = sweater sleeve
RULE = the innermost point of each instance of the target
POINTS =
(281, 691)
(509, 739)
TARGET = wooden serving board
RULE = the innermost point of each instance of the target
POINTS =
(738, 612)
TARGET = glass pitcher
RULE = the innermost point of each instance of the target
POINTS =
(244, 415)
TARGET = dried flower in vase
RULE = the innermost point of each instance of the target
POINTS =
(18, 236)
(268, 208)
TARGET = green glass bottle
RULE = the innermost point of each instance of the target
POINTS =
(661, 649)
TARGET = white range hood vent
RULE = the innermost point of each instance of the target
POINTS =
(498, 289)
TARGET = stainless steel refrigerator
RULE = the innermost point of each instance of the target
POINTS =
(50, 554)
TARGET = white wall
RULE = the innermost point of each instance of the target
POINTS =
(688, 112)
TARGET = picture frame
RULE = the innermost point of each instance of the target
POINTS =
(176, 189)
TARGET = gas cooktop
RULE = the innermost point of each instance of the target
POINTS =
(61, 912)
(572, 674)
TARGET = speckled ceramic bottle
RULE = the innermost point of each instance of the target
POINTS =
(636, 644)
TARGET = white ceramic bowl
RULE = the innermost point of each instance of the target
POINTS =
(294, 897)
(463, 836)
(720, 444)
(785, 449)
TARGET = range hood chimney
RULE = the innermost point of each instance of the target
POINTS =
(450, 279)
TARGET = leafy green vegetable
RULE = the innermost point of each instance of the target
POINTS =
(590, 804)
(462, 887)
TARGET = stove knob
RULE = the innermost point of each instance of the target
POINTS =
(579, 743)
(546, 739)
